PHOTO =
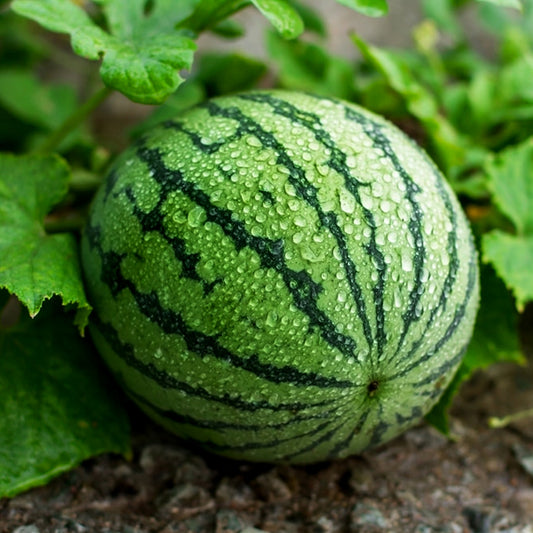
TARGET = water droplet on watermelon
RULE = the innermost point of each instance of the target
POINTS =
(293, 204)
(196, 217)
(385, 206)
(367, 202)
(397, 298)
(300, 221)
(311, 255)
(253, 141)
(298, 237)
(347, 202)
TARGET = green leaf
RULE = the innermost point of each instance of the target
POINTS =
(188, 94)
(515, 81)
(282, 16)
(141, 56)
(208, 14)
(25, 97)
(512, 258)
(228, 73)
(511, 183)
(34, 265)
(495, 339)
(516, 4)
(309, 67)
(371, 8)
(58, 406)
(450, 146)
(230, 29)
(312, 19)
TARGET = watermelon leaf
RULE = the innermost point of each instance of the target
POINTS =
(511, 183)
(517, 4)
(57, 408)
(371, 8)
(24, 96)
(512, 257)
(309, 67)
(495, 340)
(36, 265)
(282, 16)
(451, 147)
(141, 56)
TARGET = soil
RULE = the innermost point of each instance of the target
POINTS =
(481, 482)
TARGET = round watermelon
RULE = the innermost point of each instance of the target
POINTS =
(280, 277)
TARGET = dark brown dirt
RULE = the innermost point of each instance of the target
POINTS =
(421, 482)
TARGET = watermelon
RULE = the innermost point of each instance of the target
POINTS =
(280, 277)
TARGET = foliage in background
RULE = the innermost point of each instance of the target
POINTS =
(473, 113)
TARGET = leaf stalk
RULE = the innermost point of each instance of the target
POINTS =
(52, 142)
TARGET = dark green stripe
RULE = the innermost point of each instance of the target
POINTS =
(375, 132)
(313, 445)
(153, 222)
(451, 275)
(458, 316)
(126, 352)
(345, 444)
(206, 148)
(415, 414)
(274, 443)
(188, 420)
(377, 435)
(172, 322)
(440, 371)
(303, 289)
(306, 191)
(337, 162)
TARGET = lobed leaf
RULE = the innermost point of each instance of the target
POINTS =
(143, 53)
(35, 265)
(57, 407)
(512, 258)
(511, 182)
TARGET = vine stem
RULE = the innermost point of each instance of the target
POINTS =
(74, 120)
(497, 422)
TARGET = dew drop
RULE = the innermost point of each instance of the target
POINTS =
(347, 202)
(196, 217)
(407, 261)
(367, 202)
(300, 221)
(293, 204)
(385, 206)
(397, 298)
(298, 237)
(253, 141)
(311, 255)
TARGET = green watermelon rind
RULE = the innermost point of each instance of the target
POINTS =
(280, 277)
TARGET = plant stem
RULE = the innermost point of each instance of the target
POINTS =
(500, 422)
(72, 122)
